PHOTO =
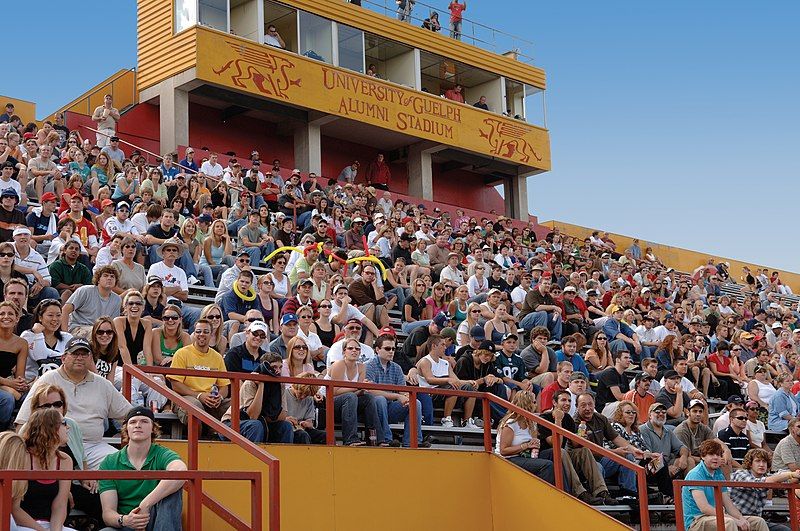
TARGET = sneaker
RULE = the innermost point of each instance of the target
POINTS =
(447, 422)
(424, 444)
(394, 443)
(193, 280)
(471, 425)
(588, 499)
(607, 498)
(478, 422)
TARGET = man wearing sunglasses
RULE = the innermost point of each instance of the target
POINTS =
(230, 275)
(735, 436)
(92, 399)
(245, 357)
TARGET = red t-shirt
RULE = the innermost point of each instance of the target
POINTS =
(546, 396)
(83, 229)
(456, 10)
(723, 363)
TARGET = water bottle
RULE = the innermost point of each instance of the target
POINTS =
(373, 437)
(215, 390)
(582, 429)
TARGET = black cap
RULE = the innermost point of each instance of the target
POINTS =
(77, 343)
(487, 345)
(642, 375)
(735, 399)
(140, 411)
(671, 374)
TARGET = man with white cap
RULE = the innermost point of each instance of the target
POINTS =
(352, 238)
(174, 278)
(92, 399)
(352, 330)
(120, 223)
(451, 275)
(33, 265)
(245, 357)
(146, 504)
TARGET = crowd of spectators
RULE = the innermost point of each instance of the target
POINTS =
(99, 250)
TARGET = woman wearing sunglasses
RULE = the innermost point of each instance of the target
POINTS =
(46, 502)
(169, 337)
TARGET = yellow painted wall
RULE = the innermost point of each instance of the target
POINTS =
(680, 259)
(282, 76)
(353, 489)
(161, 53)
(121, 85)
(22, 108)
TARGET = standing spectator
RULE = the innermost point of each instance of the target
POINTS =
(106, 116)
(142, 504)
(273, 38)
(456, 9)
(378, 173)
(699, 508)
(755, 467)
(455, 94)
(432, 23)
(349, 173)
(199, 390)
(404, 8)
(93, 399)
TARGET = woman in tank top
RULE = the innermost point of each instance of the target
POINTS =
(326, 330)
(518, 441)
(349, 369)
(458, 306)
(134, 331)
(45, 504)
(217, 252)
(105, 348)
(13, 352)
(267, 305)
(497, 327)
(169, 338)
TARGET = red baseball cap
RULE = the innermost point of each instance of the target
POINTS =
(388, 331)
(49, 196)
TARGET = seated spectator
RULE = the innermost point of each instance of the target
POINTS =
(367, 293)
(349, 402)
(598, 430)
(599, 356)
(93, 400)
(174, 279)
(45, 504)
(301, 405)
(478, 366)
(207, 393)
(674, 398)
(640, 395)
(755, 427)
(14, 456)
(303, 298)
(569, 352)
(316, 350)
(262, 416)
(787, 452)
(213, 314)
(148, 503)
(392, 406)
(46, 331)
(416, 312)
(699, 507)
(246, 357)
(510, 366)
(131, 273)
(540, 309)
(89, 303)
(67, 273)
(287, 332)
(612, 382)
(562, 381)
(170, 337)
(236, 303)
(14, 358)
(725, 369)
(735, 436)
(435, 371)
(625, 421)
(518, 441)
(33, 265)
(755, 467)
(342, 311)
(621, 336)
(693, 431)
(662, 441)
(784, 405)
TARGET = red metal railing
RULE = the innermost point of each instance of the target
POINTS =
(236, 378)
(197, 417)
(794, 522)
(194, 486)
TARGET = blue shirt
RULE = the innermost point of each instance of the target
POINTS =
(578, 364)
(699, 473)
(392, 375)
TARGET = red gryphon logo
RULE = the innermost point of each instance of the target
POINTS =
(508, 140)
(251, 67)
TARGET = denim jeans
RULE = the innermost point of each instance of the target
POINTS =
(455, 29)
(347, 407)
(407, 328)
(166, 514)
(190, 317)
(304, 219)
(391, 411)
(257, 253)
(626, 476)
(6, 409)
(551, 321)
(398, 292)
(541, 468)
(279, 431)
(206, 274)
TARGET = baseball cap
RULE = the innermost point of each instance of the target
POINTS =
(493, 291)
(449, 333)
(49, 196)
(696, 402)
(204, 218)
(735, 399)
(114, 139)
(77, 343)
(140, 411)
(9, 192)
(669, 375)
(746, 335)
(657, 405)
(288, 318)
(487, 345)
(358, 220)
(388, 330)
(123, 204)
(256, 326)
(510, 335)
(305, 281)
(353, 320)
(106, 202)
(154, 279)
(539, 250)
(570, 289)
(477, 332)
(441, 319)
(776, 325)
(338, 287)
(641, 375)
(577, 375)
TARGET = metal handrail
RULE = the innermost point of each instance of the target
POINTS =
(719, 510)
(236, 379)
(197, 417)
(195, 488)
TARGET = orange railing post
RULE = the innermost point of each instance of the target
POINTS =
(5, 499)
(677, 496)
(558, 467)
(255, 506)
(235, 406)
(126, 385)
(644, 510)
(718, 507)
(330, 435)
(793, 516)
(487, 426)
(412, 418)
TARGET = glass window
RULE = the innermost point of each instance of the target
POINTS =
(214, 13)
(351, 48)
(316, 37)
(185, 14)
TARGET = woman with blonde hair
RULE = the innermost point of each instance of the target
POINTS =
(473, 316)
(306, 330)
(217, 252)
(169, 337)
(46, 502)
(298, 360)
(213, 314)
(13, 456)
(517, 439)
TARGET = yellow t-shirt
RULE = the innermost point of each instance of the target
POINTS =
(189, 357)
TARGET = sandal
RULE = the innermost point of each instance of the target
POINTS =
(357, 443)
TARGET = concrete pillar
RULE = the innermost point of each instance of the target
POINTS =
(173, 113)
(516, 195)
(420, 169)
(308, 143)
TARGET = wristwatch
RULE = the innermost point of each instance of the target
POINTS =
(119, 520)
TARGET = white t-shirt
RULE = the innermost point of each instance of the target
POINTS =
(114, 225)
(474, 287)
(212, 170)
(686, 385)
(518, 296)
(171, 276)
(660, 333)
(11, 183)
(312, 340)
(335, 353)
(352, 312)
(139, 220)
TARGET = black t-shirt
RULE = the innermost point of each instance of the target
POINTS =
(668, 399)
(607, 379)
(416, 308)
(39, 224)
(157, 231)
(399, 251)
(501, 284)
(9, 221)
(416, 338)
(466, 370)
(738, 444)
(568, 423)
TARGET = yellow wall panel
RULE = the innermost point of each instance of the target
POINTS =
(161, 53)
(26, 110)
(676, 257)
(288, 78)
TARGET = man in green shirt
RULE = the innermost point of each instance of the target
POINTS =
(142, 504)
(66, 273)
